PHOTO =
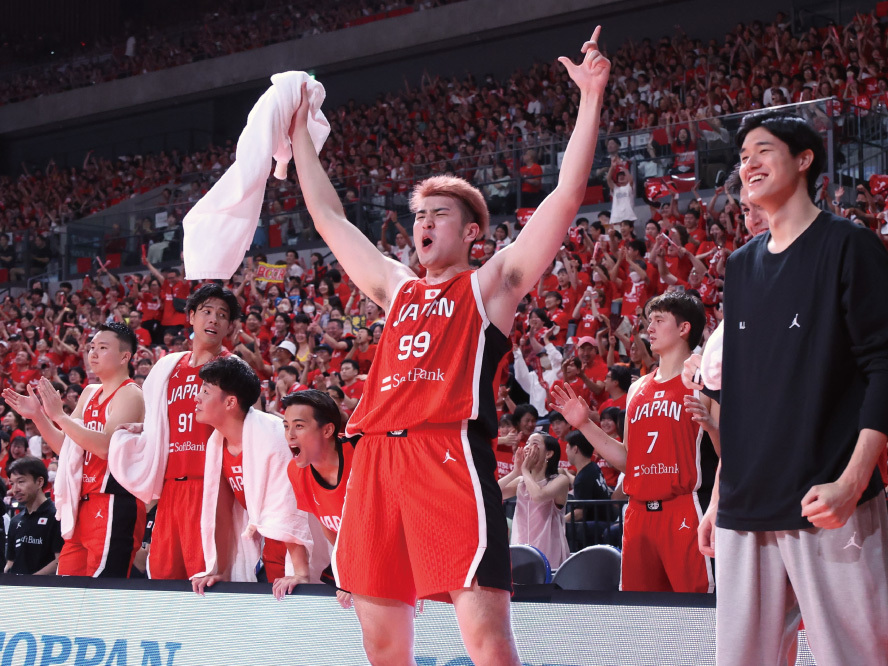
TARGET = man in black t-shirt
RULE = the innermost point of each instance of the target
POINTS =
(35, 536)
(590, 523)
(797, 521)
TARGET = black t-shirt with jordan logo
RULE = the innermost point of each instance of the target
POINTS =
(805, 368)
(34, 539)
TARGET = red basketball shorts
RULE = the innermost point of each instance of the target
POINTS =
(423, 516)
(274, 557)
(660, 552)
(176, 547)
(107, 534)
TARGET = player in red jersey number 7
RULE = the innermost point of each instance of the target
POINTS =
(428, 410)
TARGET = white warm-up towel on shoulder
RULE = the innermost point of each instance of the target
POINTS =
(271, 504)
(69, 477)
(711, 366)
(138, 462)
(220, 227)
(68, 482)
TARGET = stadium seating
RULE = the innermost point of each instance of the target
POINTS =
(596, 568)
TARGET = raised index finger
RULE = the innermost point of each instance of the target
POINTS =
(595, 34)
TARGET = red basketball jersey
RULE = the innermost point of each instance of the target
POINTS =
(96, 477)
(436, 360)
(663, 444)
(233, 471)
(188, 438)
(315, 496)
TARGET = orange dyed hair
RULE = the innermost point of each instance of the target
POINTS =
(474, 208)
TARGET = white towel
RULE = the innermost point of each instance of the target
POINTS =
(138, 462)
(220, 227)
(69, 477)
(271, 504)
(711, 365)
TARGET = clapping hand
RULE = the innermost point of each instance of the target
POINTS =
(572, 407)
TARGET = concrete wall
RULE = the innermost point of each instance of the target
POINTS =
(187, 106)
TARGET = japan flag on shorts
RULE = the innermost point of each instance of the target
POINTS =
(42, 521)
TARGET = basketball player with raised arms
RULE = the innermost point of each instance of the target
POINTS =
(164, 458)
(660, 455)
(428, 414)
(102, 523)
(321, 463)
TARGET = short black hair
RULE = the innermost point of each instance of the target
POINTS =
(352, 362)
(555, 294)
(733, 182)
(543, 315)
(639, 246)
(622, 375)
(234, 377)
(576, 439)
(521, 410)
(616, 415)
(685, 308)
(212, 290)
(556, 416)
(683, 234)
(289, 369)
(324, 407)
(795, 132)
(28, 466)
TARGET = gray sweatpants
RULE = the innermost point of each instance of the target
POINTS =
(837, 580)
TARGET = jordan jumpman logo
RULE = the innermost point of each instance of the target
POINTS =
(795, 322)
(684, 525)
(853, 542)
(448, 457)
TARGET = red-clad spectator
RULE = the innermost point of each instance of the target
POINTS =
(142, 334)
(531, 180)
(174, 293)
(351, 386)
(616, 383)
(363, 351)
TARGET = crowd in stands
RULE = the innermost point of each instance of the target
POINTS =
(502, 135)
(583, 325)
(231, 27)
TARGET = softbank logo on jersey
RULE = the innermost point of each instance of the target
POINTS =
(184, 447)
(654, 469)
(415, 375)
(83, 650)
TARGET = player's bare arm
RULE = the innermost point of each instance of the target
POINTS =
(706, 529)
(513, 271)
(126, 407)
(576, 412)
(705, 412)
(29, 407)
(286, 584)
(374, 274)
